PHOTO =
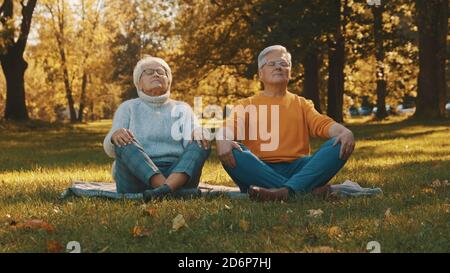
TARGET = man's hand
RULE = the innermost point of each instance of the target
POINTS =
(202, 137)
(122, 137)
(347, 144)
(224, 152)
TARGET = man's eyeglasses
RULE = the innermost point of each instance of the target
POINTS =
(281, 63)
(151, 71)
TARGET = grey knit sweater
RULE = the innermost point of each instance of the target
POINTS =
(161, 125)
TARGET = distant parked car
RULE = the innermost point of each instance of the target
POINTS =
(353, 111)
(364, 111)
(402, 110)
(388, 109)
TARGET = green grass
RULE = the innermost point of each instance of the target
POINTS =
(402, 158)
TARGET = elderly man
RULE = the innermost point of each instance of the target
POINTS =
(269, 169)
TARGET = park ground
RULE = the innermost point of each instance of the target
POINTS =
(409, 160)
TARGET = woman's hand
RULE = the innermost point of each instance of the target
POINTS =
(122, 137)
(201, 135)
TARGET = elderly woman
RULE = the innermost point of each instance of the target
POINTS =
(151, 138)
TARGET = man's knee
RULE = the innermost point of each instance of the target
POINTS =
(331, 143)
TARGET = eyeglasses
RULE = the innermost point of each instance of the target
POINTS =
(151, 71)
(281, 63)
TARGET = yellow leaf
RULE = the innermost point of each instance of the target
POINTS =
(428, 190)
(244, 225)
(334, 231)
(139, 231)
(178, 222)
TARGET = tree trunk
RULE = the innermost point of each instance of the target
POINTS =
(311, 84)
(83, 96)
(336, 63)
(14, 67)
(69, 96)
(380, 54)
(432, 16)
(11, 58)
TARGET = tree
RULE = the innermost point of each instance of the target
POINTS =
(432, 16)
(377, 11)
(336, 61)
(311, 66)
(219, 34)
(59, 14)
(11, 56)
(141, 28)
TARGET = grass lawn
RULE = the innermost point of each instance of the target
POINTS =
(401, 157)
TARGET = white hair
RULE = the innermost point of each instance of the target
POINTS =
(261, 57)
(139, 69)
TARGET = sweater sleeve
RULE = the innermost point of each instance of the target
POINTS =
(318, 124)
(121, 120)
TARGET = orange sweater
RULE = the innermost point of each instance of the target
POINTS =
(297, 121)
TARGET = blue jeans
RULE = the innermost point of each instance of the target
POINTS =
(301, 175)
(133, 168)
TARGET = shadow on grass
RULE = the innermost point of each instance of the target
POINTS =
(377, 131)
(49, 149)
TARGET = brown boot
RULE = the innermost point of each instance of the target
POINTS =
(324, 193)
(264, 195)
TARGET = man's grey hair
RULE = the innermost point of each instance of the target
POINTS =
(146, 60)
(262, 55)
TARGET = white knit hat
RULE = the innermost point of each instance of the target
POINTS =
(139, 69)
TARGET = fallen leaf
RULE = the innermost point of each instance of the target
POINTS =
(437, 183)
(244, 225)
(54, 247)
(178, 222)
(388, 213)
(319, 249)
(139, 231)
(35, 224)
(334, 231)
(315, 213)
(151, 212)
(428, 190)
